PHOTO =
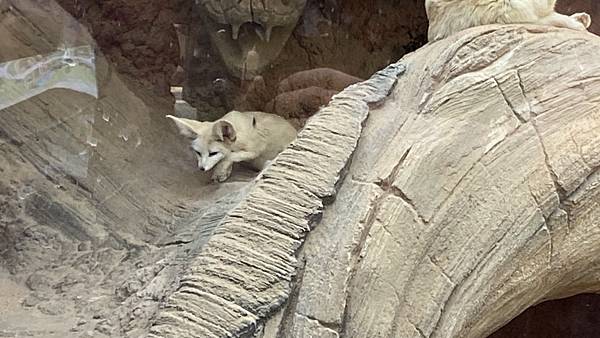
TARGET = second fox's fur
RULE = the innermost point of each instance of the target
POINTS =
(447, 17)
(252, 137)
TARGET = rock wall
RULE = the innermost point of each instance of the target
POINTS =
(100, 202)
(138, 37)
(353, 36)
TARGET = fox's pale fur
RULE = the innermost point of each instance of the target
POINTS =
(447, 17)
(252, 137)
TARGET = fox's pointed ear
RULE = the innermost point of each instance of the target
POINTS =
(224, 131)
(185, 126)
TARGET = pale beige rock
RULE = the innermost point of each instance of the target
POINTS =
(472, 194)
(100, 204)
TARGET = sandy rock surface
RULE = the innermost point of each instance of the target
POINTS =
(100, 201)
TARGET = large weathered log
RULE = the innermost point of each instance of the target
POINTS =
(245, 271)
(473, 194)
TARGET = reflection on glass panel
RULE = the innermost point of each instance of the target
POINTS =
(69, 68)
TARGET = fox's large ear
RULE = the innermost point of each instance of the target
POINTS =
(186, 126)
(224, 131)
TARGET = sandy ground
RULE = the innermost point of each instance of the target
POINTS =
(19, 320)
(101, 207)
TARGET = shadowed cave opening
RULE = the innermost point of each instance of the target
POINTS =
(573, 317)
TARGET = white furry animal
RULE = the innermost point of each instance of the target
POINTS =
(253, 137)
(447, 17)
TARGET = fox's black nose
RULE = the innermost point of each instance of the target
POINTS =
(201, 168)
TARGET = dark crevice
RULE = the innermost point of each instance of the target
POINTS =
(509, 103)
(562, 193)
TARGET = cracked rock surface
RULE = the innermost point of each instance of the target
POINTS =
(100, 202)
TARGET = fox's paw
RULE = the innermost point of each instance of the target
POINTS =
(221, 175)
(584, 18)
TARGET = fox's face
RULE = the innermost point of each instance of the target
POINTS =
(208, 152)
(211, 141)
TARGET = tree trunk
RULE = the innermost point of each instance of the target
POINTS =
(472, 194)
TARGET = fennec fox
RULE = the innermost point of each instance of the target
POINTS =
(447, 17)
(253, 137)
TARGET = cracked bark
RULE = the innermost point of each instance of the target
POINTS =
(477, 206)
(459, 202)
(236, 281)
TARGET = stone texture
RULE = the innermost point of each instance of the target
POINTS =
(100, 204)
(137, 36)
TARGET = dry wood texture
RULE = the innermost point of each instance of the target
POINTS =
(245, 271)
(472, 195)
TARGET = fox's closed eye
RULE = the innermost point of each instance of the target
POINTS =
(198, 153)
(212, 153)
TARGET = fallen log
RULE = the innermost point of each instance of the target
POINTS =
(471, 194)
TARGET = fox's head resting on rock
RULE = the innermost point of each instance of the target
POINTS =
(211, 141)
